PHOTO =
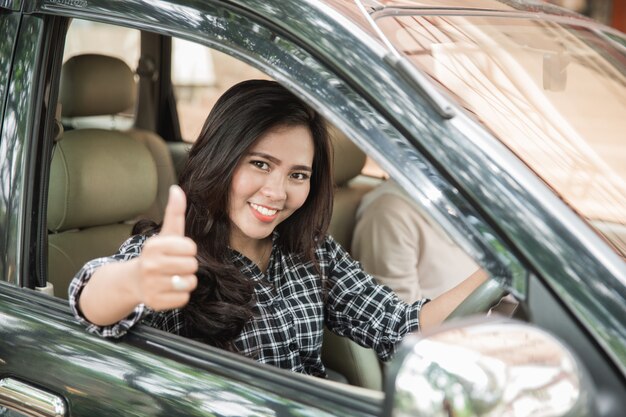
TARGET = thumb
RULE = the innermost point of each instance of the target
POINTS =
(174, 218)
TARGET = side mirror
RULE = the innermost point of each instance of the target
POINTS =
(486, 367)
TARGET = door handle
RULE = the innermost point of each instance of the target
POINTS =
(25, 398)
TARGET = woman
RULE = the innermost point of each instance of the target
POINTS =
(246, 265)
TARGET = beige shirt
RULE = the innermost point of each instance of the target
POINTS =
(397, 245)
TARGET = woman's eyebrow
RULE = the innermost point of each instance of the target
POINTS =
(278, 161)
(302, 168)
(266, 156)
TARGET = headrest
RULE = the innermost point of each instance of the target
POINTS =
(95, 85)
(348, 158)
(97, 178)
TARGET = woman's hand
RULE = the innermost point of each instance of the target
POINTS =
(161, 277)
(435, 312)
(165, 270)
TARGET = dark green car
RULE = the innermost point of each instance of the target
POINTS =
(503, 120)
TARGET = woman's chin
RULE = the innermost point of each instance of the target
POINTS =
(259, 234)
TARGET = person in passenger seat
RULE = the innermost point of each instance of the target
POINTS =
(402, 249)
(242, 260)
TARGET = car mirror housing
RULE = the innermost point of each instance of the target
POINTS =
(487, 367)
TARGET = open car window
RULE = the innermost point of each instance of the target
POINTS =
(89, 227)
(200, 75)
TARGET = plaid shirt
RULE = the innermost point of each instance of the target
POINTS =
(290, 311)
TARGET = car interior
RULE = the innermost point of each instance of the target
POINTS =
(105, 175)
(125, 122)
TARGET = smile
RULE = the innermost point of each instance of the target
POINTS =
(264, 210)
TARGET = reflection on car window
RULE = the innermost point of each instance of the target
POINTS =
(555, 94)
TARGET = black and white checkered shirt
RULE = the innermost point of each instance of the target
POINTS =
(290, 311)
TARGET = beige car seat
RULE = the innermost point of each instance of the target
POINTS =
(360, 366)
(96, 85)
(100, 180)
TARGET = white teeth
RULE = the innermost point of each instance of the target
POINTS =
(264, 211)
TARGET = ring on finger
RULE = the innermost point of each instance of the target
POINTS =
(178, 283)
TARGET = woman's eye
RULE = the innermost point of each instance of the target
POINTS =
(300, 176)
(261, 165)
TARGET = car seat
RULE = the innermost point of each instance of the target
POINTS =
(360, 366)
(97, 85)
(100, 180)
(348, 163)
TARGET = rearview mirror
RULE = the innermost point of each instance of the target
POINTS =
(491, 367)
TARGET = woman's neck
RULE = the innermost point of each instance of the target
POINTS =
(257, 250)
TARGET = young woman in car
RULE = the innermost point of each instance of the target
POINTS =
(242, 260)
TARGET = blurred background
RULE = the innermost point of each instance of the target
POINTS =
(609, 12)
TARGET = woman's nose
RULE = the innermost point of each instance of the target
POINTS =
(274, 188)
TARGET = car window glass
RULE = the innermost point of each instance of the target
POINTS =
(552, 92)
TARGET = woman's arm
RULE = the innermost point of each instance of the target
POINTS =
(436, 311)
(371, 314)
(115, 289)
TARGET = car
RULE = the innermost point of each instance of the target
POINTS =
(502, 119)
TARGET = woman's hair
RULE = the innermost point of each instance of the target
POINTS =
(223, 300)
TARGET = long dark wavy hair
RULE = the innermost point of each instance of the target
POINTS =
(224, 299)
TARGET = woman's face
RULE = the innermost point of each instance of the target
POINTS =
(270, 183)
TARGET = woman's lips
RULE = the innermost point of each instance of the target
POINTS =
(264, 214)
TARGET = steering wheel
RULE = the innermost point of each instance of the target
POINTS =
(480, 300)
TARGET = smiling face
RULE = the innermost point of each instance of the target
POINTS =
(270, 183)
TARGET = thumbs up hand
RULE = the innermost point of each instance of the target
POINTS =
(165, 271)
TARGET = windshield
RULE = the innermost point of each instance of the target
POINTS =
(555, 94)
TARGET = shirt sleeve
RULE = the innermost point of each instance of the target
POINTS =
(387, 241)
(357, 308)
(129, 250)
